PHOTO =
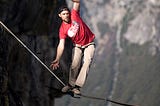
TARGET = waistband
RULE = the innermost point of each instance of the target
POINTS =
(84, 46)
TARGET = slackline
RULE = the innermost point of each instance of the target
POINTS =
(98, 98)
(31, 52)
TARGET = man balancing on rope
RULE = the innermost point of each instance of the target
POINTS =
(84, 47)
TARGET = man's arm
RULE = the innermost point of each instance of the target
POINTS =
(60, 49)
(76, 4)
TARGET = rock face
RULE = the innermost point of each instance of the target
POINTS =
(126, 65)
(125, 68)
(23, 80)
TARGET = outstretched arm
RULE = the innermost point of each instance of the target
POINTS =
(76, 4)
(60, 49)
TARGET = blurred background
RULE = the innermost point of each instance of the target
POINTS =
(126, 65)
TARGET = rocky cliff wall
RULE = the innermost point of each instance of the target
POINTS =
(125, 68)
(23, 80)
(126, 65)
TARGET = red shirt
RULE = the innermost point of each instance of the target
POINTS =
(77, 30)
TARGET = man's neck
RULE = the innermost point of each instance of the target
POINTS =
(66, 22)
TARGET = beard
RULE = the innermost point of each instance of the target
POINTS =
(67, 20)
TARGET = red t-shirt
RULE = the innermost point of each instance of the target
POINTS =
(77, 30)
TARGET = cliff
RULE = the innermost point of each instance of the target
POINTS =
(24, 80)
(126, 63)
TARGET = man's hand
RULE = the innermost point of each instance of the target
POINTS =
(55, 64)
(76, 4)
(76, 1)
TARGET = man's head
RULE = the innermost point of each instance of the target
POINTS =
(64, 14)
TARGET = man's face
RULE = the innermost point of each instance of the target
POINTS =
(65, 16)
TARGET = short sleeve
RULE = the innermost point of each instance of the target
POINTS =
(62, 35)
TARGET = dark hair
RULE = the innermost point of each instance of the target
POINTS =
(63, 8)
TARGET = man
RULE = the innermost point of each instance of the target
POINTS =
(83, 39)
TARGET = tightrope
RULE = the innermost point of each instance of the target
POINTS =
(99, 98)
(104, 99)
(31, 52)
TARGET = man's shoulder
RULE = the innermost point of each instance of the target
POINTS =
(64, 27)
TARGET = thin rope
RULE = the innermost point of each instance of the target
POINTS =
(98, 98)
(78, 96)
(31, 52)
